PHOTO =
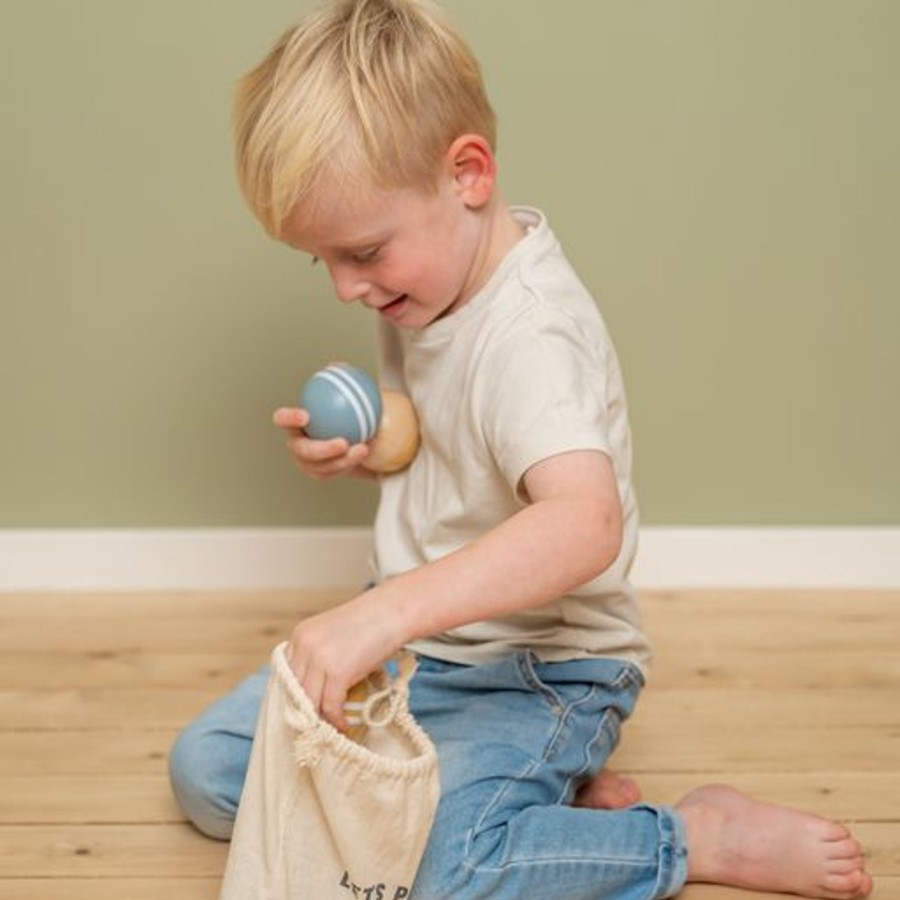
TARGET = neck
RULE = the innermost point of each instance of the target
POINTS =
(500, 232)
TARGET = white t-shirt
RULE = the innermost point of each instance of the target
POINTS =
(524, 371)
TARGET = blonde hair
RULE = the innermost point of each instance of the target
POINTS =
(370, 89)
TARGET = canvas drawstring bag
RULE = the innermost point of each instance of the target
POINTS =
(324, 817)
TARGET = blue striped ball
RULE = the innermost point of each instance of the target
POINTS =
(342, 401)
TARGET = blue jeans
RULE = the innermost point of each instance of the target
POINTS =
(515, 739)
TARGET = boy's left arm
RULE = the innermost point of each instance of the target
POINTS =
(570, 532)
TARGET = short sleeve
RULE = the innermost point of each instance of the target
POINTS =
(545, 392)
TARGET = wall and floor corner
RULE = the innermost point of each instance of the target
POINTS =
(282, 559)
(723, 176)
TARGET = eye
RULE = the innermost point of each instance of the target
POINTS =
(366, 256)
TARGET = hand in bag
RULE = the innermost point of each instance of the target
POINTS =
(330, 652)
(304, 825)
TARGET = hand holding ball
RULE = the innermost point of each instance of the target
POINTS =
(343, 401)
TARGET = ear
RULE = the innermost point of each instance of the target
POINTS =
(472, 167)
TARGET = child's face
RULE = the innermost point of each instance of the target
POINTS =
(412, 256)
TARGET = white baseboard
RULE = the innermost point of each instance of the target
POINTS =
(191, 559)
(254, 559)
(769, 557)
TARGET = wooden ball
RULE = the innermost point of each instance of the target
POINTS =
(397, 440)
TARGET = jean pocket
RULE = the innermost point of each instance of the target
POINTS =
(578, 683)
(558, 695)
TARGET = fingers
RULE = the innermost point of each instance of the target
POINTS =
(291, 419)
(331, 651)
(333, 698)
(318, 459)
(326, 459)
(319, 671)
(326, 695)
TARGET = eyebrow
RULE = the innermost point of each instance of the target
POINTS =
(345, 251)
(357, 245)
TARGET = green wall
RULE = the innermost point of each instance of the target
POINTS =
(724, 175)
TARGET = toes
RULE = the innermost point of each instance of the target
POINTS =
(634, 794)
(608, 791)
(835, 831)
(848, 885)
(846, 877)
(844, 848)
(846, 866)
(629, 792)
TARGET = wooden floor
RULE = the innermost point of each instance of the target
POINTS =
(795, 697)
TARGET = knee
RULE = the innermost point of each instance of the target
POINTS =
(460, 883)
(202, 783)
(455, 867)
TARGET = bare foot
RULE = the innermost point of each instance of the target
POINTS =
(738, 841)
(608, 790)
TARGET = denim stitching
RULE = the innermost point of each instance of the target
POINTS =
(524, 665)
(531, 679)
(489, 807)
(608, 713)
(629, 675)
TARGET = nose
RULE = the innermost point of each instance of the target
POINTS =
(348, 285)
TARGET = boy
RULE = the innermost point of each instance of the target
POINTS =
(366, 140)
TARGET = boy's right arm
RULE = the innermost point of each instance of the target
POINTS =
(320, 459)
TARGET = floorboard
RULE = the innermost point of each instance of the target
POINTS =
(791, 696)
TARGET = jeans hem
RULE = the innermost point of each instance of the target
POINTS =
(673, 852)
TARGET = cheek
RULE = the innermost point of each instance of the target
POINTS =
(434, 269)
(441, 265)
(418, 272)
(438, 280)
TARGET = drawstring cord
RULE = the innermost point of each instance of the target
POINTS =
(378, 710)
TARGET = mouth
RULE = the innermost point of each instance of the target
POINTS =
(395, 307)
